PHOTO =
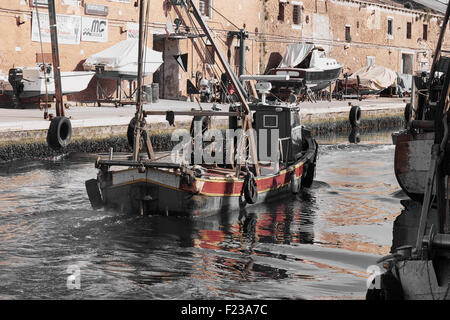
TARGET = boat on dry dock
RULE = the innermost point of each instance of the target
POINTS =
(270, 156)
(27, 82)
(307, 66)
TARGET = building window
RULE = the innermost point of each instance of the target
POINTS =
(280, 11)
(425, 32)
(390, 27)
(210, 55)
(408, 30)
(205, 8)
(297, 15)
(348, 36)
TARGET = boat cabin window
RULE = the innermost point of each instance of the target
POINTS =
(270, 121)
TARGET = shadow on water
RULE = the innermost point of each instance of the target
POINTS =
(317, 244)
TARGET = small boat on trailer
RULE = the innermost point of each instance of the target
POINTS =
(149, 186)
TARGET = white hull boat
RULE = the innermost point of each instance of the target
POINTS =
(27, 82)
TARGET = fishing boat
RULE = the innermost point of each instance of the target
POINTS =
(414, 144)
(27, 82)
(419, 263)
(187, 186)
(306, 65)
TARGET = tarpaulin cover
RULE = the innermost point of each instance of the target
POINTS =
(375, 77)
(295, 54)
(123, 57)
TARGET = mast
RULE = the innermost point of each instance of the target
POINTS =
(247, 125)
(139, 129)
(436, 173)
(55, 58)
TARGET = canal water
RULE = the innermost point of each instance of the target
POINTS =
(316, 245)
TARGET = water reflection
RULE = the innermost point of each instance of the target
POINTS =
(354, 136)
(291, 248)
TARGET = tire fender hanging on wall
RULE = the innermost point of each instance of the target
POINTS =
(59, 133)
(355, 116)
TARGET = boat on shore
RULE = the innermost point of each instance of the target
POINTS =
(121, 60)
(307, 67)
(246, 169)
(27, 82)
(369, 80)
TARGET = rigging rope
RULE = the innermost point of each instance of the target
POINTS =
(43, 61)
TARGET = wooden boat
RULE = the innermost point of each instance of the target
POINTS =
(419, 265)
(413, 145)
(148, 186)
(174, 189)
(412, 161)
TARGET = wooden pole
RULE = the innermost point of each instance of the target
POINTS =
(55, 58)
(139, 113)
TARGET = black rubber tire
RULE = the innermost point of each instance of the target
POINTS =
(130, 134)
(408, 113)
(391, 289)
(391, 286)
(308, 178)
(205, 120)
(354, 137)
(94, 194)
(250, 189)
(355, 116)
(59, 133)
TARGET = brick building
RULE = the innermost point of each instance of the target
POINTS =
(356, 33)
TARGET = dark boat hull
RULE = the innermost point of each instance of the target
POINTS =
(316, 80)
(412, 161)
(163, 192)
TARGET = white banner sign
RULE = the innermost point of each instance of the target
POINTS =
(94, 29)
(40, 2)
(132, 30)
(70, 2)
(68, 28)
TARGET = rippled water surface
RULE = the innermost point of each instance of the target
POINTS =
(316, 245)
